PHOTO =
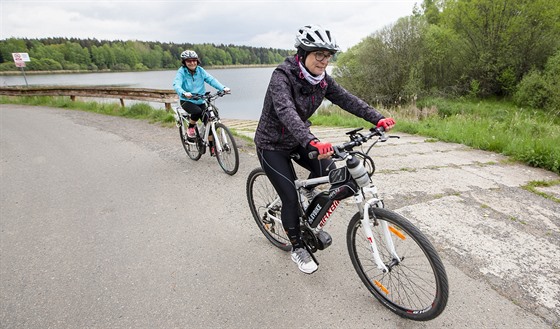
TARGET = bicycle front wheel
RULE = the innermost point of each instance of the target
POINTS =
(415, 287)
(226, 149)
(265, 206)
(192, 147)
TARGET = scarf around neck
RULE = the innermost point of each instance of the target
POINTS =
(308, 76)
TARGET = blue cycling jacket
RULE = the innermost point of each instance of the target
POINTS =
(186, 81)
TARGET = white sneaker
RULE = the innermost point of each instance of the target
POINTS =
(303, 259)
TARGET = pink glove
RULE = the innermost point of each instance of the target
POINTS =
(386, 123)
(321, 148)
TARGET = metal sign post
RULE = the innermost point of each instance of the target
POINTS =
(19, 60)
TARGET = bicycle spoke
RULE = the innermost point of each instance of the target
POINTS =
(264, 204)
(226, 149)
(191, 148)
(417, 286)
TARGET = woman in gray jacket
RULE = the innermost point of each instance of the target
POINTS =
(296, 89)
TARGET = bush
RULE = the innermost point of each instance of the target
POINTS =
(532, 91)
(8, 66)
(71, 66)
(120, 67)
(44, 64)
(541, 89)
(552, 76)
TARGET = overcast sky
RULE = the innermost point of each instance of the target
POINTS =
(258, 23)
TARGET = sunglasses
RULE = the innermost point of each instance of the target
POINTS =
(191, 60)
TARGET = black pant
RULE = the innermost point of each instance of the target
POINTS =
(278, 168)
(195, 110)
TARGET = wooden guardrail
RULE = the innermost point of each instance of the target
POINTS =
(142, 94)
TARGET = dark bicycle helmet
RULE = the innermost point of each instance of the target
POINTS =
(189, 54)
(314, 37)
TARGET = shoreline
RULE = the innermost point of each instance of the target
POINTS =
(239, 66)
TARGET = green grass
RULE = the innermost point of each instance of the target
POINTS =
(532, 187)
(142, 111)
(527, 135)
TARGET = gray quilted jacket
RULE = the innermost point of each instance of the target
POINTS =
(290, 101)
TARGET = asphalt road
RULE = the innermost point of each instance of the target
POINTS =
(106, 223)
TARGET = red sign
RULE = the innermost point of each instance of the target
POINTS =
(21, 57)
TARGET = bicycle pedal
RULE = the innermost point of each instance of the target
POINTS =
(324, 240)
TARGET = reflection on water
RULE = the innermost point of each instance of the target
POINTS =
(248, 86)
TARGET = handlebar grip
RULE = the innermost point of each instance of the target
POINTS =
(313, 155)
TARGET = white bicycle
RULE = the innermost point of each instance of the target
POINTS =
(225, 148)
(394, 260)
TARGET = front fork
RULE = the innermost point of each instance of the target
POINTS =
(367, 227)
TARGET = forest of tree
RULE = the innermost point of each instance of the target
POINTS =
(52, 54)
(478, 48)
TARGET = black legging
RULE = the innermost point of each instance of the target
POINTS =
(279, 170)
(195, 110)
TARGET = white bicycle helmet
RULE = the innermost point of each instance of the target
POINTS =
(189, 54)
(314, 37)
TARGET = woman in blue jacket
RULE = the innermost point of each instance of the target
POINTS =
(190, 79)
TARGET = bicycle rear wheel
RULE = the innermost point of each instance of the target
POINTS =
(416, 287)
(265, 206)
(228, 156)
(192, 147)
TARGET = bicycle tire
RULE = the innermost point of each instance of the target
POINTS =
(260, 195)
(191, 148)
(228, 157)
(417, 287)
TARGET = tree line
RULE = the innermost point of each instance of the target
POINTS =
(52, 54)
(480, 48)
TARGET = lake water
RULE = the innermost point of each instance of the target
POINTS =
(248, 86)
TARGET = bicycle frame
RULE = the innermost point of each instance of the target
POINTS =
(224, 148)
(212, 113)
(363, 208)
(393, 258)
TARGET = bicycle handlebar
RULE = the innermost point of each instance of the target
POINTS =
(356, 139)
(209, 96)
